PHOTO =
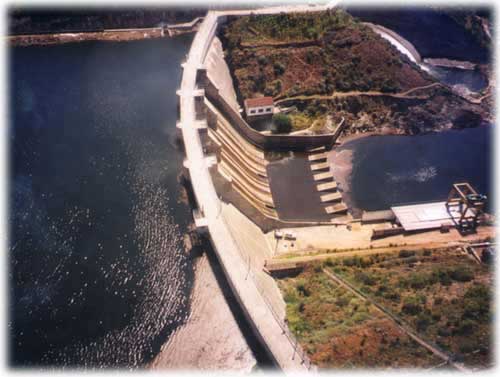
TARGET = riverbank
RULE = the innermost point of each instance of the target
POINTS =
(111, 35)
(422, 170)
(106, 35)
(211, 338)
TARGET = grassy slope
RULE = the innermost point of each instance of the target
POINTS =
(443, 295)
(339, 330)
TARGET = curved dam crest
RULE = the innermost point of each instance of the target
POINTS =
(225, 226)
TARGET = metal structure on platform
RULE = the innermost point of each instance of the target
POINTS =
(463, 198)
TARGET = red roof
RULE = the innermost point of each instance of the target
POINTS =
(258, 102)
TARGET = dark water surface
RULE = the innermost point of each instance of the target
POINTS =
(98, 272)
(473, 80)
(390, 170)
(434, 34)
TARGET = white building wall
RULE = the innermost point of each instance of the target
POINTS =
(260, 110)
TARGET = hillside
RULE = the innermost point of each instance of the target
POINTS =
(291, 54)
(36, 21)
(328, 66)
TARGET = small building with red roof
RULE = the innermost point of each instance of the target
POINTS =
(259, 106)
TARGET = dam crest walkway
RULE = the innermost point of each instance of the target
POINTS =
(268, 326)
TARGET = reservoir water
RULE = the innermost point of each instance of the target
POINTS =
(391, 170)
(98, 272)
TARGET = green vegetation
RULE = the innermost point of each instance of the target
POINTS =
(305, 58)
(443, 295)
(281, 124)
(338, 329)
(286, 27)
(327, 52)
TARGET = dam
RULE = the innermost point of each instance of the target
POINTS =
(237, 242)
(225, 157)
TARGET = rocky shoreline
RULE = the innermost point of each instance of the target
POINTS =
(115, 35)
(210, 339)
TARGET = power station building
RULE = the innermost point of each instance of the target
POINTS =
(259, 106)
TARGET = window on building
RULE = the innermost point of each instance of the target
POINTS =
(261, 110)
(269, 109)
(252, 111)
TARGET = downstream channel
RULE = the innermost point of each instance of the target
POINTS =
(433, 35)
(410, 169)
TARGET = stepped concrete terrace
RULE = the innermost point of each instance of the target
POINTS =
(255, 298)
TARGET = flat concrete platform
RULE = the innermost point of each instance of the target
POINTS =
(320, 166)
(336, 209)
(317, 157)
(318, 149)
(425, 216)
(334, 196)
(327, 186)
(323, 176)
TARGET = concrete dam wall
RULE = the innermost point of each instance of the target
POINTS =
(259, 299)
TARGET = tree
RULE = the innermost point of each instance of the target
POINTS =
(281, 124)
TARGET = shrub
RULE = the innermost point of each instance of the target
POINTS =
(364, 278)
(329, 262)
(477, 301)
(310, 57)
(279, 68)
(381, 290)
(342, 301)
(436, 316)
(423, 321)
(467, 346)
(359, 317)
(406, 253)
(365, 262)
(278, 85)
(389, 86)
(427, 253)
(349, 262)
(402, 283)
(301, 307)
(269, 90)
(411, 260)
(461, 274)
(443, 277)
(411, 306)
(444, 331)
(393, 296)
(302, 289)
(465, 327)
(418, 281)
(262, 60)
(281, 124)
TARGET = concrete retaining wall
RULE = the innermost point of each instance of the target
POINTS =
(265, 142)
